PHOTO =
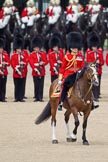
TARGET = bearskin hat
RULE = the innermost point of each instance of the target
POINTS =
(18, 42)
(2, 41)
(37, 41)
(55, 41)
(74, 40)
(93, 40)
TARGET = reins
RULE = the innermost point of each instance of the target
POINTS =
(83, 98)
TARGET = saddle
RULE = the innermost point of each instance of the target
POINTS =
(57, 91)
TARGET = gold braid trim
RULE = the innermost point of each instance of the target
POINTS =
(73, 60)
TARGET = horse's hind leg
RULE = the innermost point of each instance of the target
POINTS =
(53, 122)
(67, 115)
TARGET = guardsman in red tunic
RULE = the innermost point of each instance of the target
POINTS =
(4, 63)
(107, 59)
(72, 63)
(38, 61)
(55, 56)
(95, 54)
(19, 63)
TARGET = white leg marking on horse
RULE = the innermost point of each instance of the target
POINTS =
(73, 136)
(67, 130)
(53, 131)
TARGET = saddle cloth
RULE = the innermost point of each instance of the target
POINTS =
(57, 91)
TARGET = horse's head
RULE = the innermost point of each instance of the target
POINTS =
(91, 73)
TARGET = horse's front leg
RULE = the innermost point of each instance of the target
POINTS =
(74, 134)
(67, 115)
(85, 142)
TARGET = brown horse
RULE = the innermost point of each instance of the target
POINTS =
(81, 100)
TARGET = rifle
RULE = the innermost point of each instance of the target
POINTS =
(2, 66)
(21, 66)
(58, 65)
(97, 58)
(40, 66)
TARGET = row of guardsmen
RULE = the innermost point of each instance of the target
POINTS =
(38, 59)
(30, 13)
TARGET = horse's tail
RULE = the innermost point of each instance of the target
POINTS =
(45, 114)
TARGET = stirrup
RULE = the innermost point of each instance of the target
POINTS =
(94, 107)
(59, 107)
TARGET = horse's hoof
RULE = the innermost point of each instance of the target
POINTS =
(74, 140)
(69, 139)
(85, 143)
(54, 141)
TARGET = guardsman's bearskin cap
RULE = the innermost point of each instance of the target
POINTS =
(93, 40)
(18, 42)
(37, 41)
(55, 40)
(74, 40)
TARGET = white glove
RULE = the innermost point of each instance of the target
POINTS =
(1, 72)
(79, 71)
(41, 63)
(59, 61)
(16, 68)
(55, 64)
(36, 64)
(59, 82)
(55, 70)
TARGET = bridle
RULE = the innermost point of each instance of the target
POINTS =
(90, 77)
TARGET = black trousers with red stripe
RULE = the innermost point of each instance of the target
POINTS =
(19, 84)
(3, 81)
(68, 82)
(38, 87)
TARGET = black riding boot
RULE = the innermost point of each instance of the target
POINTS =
(62, 98)
(69, 81)
(94, 106)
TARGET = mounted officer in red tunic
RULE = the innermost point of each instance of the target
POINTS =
(73, 62)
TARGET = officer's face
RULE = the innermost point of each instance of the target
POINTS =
(55, 48)
(36, 49)
(94, 49)
(1, 50)
(74, 50)
(18, 50)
